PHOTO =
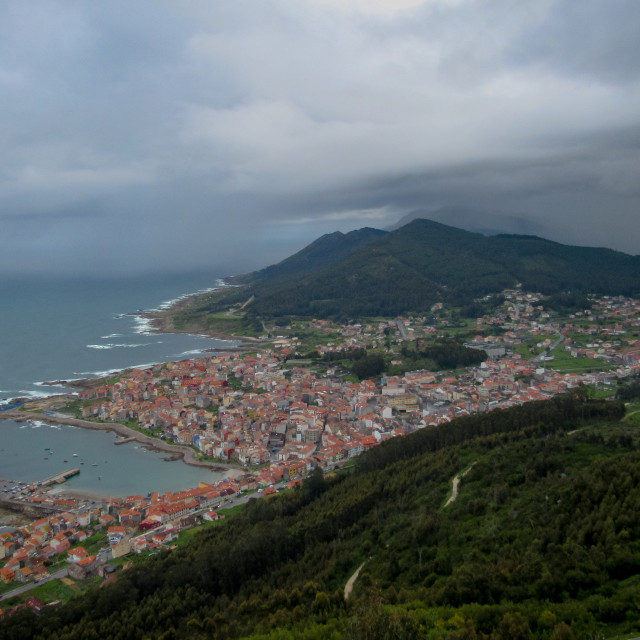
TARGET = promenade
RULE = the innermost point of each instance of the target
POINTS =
(186, 453)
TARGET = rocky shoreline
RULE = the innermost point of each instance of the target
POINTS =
(162, 322)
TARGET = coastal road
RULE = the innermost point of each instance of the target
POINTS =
(32, 585)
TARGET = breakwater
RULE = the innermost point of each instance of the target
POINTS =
(185, 453)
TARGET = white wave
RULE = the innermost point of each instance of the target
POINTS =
(111, 345)
(193, 352)
(169, 303)
(111, 372)
(36, 424)
(133, 346)
(111, 335)
(37, 394)
(48, 384)
(143, 326)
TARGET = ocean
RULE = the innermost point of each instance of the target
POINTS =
(67, 328)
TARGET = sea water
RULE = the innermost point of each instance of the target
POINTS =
(66, 328)
(33, 451)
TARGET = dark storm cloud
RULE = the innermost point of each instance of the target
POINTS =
(168, 135)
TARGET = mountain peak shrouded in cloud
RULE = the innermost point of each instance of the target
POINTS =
(487, 223)
(167, 135)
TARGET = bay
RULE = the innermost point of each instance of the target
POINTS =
(33, 451)
(68, 328)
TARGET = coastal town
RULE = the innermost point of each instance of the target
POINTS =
(272, 416)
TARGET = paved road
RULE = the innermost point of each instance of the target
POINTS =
(549, 349)
(32, 585)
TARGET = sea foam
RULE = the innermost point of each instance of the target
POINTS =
(37, 394)
(143, 326)
(193, 352)
(111, 345)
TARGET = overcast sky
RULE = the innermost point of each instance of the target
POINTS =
(158, 135)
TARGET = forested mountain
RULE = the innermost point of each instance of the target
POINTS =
(321, 252)
(413, 267)
(543, 541)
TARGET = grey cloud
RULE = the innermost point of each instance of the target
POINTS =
(166, 135)
(595, 39)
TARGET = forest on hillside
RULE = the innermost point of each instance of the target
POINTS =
(368, 273)
(543, 541)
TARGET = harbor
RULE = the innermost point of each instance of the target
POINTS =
(59, 478)
(105, 470)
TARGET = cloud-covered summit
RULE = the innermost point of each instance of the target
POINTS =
(168, 135)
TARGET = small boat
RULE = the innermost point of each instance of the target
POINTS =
(75, 455)
(94, 464)
(46, 458)
(82, 463)
(65, 461)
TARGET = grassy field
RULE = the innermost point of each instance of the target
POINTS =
(563, 361)
(55, 590)
(94, 543)
(219, 322)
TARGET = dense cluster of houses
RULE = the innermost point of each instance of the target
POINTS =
(283, 420)
(128, 525)
(263, 410)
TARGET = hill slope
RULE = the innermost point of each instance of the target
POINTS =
(419, 264)
(324, 251)
(543, 541)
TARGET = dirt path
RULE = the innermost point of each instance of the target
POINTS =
(456, 484)
(351, 581)
(628, 415)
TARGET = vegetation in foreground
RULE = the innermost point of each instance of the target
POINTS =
(543, 541)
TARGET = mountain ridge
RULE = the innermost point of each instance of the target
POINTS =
(422, 263)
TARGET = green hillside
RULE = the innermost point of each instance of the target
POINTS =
(543, 541)
(321, 252)
(413, 267)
